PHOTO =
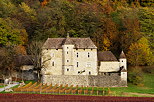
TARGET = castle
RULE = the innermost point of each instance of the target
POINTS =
(75, 58)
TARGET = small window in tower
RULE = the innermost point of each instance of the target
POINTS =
(56, 49)
(67, 69)
(53, 63)
(77, 55)
(89, 73)
(67, 47)
(47, 49)
(67, 52)
(88, 54)
(78, 72)
(88, 64)
(122, 60)
(91, 49)
(67, 60)
(77, 64)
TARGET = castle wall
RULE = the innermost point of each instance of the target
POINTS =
(87, 61)
(109, 66)
(54, 65)
(85, 80)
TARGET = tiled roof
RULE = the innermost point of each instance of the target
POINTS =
(123, 70)
(23, 60)
(56, 43)
(122, 55)
(106, 56)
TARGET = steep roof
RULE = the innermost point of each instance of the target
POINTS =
(23, 60)
(122, 55)
(106, 56)
(56, 43)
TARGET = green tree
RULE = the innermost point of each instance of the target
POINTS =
(146, 18)
(7, 8)
(9, 34)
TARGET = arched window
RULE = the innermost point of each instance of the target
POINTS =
(77, 55)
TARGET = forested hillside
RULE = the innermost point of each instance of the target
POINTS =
(112, 25)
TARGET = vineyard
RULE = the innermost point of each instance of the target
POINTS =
(62, 89)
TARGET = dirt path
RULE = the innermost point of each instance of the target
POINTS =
(8, 86)
(140, 94)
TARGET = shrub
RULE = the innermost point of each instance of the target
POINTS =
(135, 77)
(148, 70)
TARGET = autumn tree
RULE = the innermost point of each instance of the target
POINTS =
(10, 33)
(139, 53)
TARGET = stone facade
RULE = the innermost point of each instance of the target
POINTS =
(113, 80)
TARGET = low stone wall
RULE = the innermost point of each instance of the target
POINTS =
(85, 80)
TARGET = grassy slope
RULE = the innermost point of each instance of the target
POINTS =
(148, 87)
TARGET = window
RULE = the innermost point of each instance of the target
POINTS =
(122, 60)
(47, 49)
(67, 69)
(52, 54)
(56, 49)
(88, 64)
(89, 73)
(67, 47)
(67, 60)
(77, 64)
(67, 52)
(77, 55)
(53, 63)
(88, 54)
(78, 72)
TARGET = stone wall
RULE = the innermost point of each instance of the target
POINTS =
(113, 80)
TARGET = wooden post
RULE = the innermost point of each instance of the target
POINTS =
(97, 90)
(103, 91)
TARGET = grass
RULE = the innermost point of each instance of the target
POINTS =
(148, 87)
(1, 86)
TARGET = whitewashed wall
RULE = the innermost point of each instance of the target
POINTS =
(54, 65)
(109, 66)
(89, 64)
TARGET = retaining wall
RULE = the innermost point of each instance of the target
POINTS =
(85, 80)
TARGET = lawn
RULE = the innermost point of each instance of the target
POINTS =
(148, 87)
(1, 86)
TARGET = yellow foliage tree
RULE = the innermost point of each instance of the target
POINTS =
(106, 43)
(139, 53)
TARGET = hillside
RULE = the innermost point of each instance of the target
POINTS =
(113, 25)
